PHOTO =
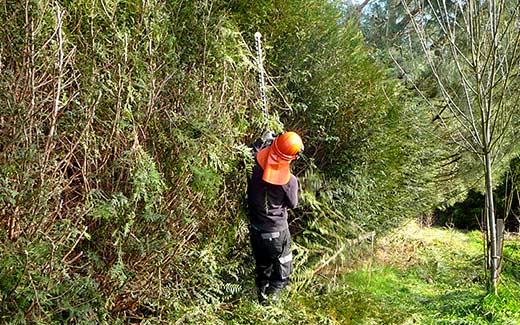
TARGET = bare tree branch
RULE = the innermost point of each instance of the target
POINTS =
(484, 50)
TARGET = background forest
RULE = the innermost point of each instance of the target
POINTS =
(124, 134)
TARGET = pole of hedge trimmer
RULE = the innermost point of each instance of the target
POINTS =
(258, 39)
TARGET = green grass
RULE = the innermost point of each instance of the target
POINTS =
(413, 276)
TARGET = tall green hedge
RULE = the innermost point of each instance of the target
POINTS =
(124, 131)
(372, 152)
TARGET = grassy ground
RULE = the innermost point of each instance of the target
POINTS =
(413, 276)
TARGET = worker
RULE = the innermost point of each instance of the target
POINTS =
(272, 189)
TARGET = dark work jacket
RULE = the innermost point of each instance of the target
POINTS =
(268, 203)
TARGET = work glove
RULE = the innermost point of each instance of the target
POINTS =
(265, 140)
(268, 137)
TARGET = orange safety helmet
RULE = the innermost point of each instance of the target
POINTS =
(276, 158)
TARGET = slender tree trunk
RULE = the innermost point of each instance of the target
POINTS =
(491, 223)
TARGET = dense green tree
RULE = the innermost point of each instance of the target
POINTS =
(388, 28)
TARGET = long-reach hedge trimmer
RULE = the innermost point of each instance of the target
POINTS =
(261, 79)
(267, 136)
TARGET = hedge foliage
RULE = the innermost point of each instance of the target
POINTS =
(124, 149)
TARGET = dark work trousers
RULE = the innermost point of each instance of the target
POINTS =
(273, 256)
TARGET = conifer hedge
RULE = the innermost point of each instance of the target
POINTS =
(124, 150)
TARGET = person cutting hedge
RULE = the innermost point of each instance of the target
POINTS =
(271, 190)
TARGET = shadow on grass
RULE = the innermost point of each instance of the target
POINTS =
(457, 304)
